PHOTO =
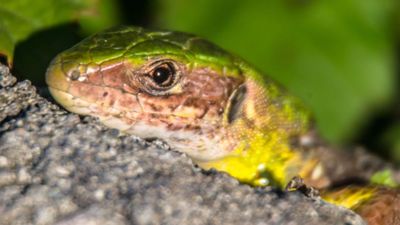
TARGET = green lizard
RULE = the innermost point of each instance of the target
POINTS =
(211, 105)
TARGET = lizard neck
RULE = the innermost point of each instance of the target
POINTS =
(264, 122)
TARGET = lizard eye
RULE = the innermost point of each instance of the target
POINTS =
(160, 76)
(163, 75)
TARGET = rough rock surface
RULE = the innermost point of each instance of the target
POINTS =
(59, 168)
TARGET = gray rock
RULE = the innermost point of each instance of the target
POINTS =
(59, 168)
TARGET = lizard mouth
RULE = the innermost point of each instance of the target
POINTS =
(70, 102)
(80, 106)
(188, 141)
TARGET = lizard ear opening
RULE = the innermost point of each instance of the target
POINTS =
(235, 103)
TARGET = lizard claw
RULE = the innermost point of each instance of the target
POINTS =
(297, 184)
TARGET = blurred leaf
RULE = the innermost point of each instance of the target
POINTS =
(20, 18)
(102, 14)
(336, 55)
(385, 178)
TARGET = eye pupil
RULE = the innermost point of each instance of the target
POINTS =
(163, 75)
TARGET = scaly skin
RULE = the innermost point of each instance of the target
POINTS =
(205, 102)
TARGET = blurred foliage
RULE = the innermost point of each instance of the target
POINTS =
(336, 55)
(100, 15)
(339, 56)
(385, 178)
(21, 18)
(391, 142)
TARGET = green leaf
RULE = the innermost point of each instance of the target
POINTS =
(336, 55)
(20, 18)
(384, 177)
(102, 14)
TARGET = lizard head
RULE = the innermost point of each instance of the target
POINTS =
(186, 91)
(162, 84)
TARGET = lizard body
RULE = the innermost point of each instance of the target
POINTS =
(201, 100)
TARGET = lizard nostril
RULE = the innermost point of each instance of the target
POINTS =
(74, 75)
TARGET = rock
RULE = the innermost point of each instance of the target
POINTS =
(59, 168)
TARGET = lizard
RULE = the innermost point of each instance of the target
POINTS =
(216, 108)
